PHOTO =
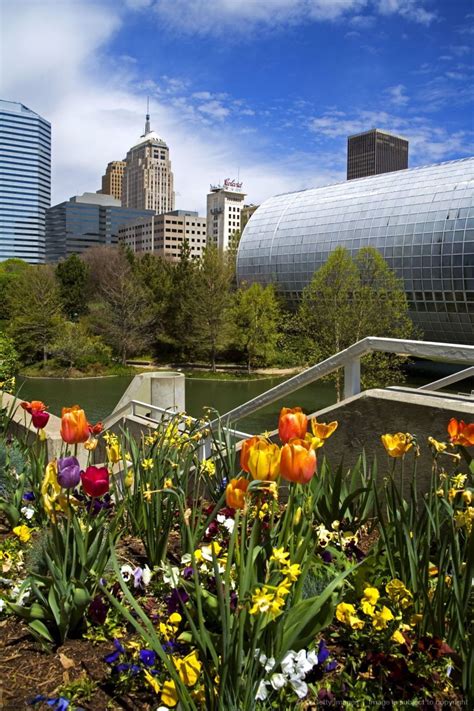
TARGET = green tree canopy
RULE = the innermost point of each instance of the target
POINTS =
(36, 312)
(10, 270)
(211, 301)
(72, 275)
(182, 324)
(349, 299)
(8, 360)
(254, 319)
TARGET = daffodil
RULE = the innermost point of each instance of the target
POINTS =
(147, 464)
(292, 572)
(208, 467)
(459, 480)
(262, 600)
(398, 637)
(437, 446)
(280, 556)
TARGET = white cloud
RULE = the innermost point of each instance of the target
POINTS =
(240, 18)
(397, 95)
(96, 106)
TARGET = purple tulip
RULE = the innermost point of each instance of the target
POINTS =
(69, 472)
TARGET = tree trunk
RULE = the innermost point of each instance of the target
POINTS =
(45, 354)
(213, 359)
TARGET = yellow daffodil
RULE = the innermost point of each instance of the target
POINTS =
(276, 606)
(381, 618)
(147, 464)
(208, 467)
(189, 668)
(169, 695)
(415, 619)
(437, 446)
(459, 480)
(168, 483)
(280, 556)
(261, 599)
(467, 496)
(292, 572)
(297, 516)
(128, 480)
(397, 445)
(23, 533)
(464, 519)
(91, 444)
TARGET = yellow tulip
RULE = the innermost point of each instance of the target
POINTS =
(189, 669)
(321, 430)
(169, 695)
(397, 445)
(264, 461)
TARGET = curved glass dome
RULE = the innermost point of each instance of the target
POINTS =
(420, 219)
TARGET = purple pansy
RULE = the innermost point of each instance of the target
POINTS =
(147, 657)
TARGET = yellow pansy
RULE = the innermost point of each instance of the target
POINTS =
(345, 612)
(175, 618)
(169, 695)
(152, 681)
(398, 637)
(381, 618)
(189, 668)
(23, 533)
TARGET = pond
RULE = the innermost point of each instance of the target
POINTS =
(98, 396)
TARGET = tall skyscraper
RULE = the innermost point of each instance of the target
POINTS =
(375, 152)
(224, 205)
(85, 221)
(148, 179)
(112, 179)
(25, 188)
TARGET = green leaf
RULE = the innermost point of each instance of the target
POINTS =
(41, 629)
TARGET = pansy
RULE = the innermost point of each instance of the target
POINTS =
(147, 657)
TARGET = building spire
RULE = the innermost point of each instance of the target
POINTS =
(147, 120)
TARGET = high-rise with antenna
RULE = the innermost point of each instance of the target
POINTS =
(148, 181)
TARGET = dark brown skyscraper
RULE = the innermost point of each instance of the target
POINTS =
(375, 152)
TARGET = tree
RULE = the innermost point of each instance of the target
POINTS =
(211, 302)
(155, 275)
(182, 325)
(254, 317)
(72, 275)
(8, 360)
(349, 299)
(36, 312)
(10, 270)
(74, 347)
(122, 313)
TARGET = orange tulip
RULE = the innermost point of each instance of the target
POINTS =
(264, 461)
(292, 424)
(36, 405)
(298, 461)
(460, 433)
(321, 430)
(397, 445)
(74, 426)
(236, 492)
(244, 452)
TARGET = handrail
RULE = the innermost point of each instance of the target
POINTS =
(349, 359)
(449, 379)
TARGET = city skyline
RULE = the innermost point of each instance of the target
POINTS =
(270, 90)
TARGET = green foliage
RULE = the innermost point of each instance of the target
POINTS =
(13, 477)
(10, 270)
(72, 276)
(349, 299)
(212, 299)
(36, 310)
(8, 359)
(76, 553)
(182, 325)
(74, 348)
(255, 315)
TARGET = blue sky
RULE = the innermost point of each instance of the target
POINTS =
(267, 88)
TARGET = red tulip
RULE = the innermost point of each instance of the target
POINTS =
(37, 405)
(39, 418)
(74, 426)
(298, 461)
(95, 429)
(292, 424)
(460, 433)
(95, 481)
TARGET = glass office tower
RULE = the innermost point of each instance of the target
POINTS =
(25, 185)
(375, 152)
(421, 220)
(84, 221)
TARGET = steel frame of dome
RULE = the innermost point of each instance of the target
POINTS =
(420, 219)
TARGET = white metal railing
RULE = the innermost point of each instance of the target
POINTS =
(349, 359)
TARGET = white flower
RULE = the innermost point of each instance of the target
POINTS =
(171, 576)
(126, 571)
(269, 664)
(2, 605)
(186, 559)
(278, 681)
(299, 686)
(312, 658)
(27, 512)
(229, 524)
(146, 575)
(302, 666)
(288, 663)
(220, 518)
(262, 692)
